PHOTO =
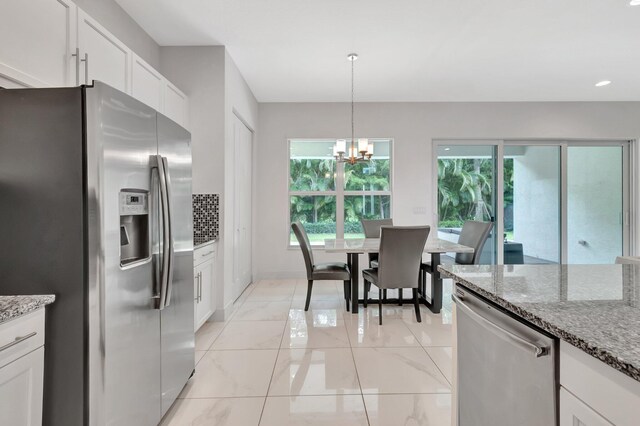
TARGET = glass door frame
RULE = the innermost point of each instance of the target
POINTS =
(629, 151)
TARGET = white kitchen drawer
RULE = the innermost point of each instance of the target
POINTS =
(204, 253)
(610, 393)
(29, 329)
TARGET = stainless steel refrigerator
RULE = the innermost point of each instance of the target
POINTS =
(95, 207)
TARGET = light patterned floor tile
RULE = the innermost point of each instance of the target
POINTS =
(365, 331)
(207, 334)
(215, 411)
(398, 370)
(250, 335)
(315, 334)
(314, 372)
(331, 410)
(442, 356)
(409, 410)
(262, 311)
(231, 374)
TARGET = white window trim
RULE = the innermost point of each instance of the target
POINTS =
(339, 192)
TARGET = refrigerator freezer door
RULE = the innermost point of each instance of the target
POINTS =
(124, 327)
(177, 336)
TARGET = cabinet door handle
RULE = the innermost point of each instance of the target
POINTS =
(207, 253)
(17, 340)
(77, 56)
(86, 68)
(199, 286)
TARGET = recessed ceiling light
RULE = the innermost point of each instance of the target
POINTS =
(634, 2)
(447, 149)
(603, 83)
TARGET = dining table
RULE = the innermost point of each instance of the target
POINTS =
(354, 247)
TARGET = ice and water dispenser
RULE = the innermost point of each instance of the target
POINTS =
(134, 226)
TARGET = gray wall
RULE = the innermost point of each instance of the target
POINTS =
(199, 73)
(413, 126)
(109, 14)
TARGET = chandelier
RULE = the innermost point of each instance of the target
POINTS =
(359, 151)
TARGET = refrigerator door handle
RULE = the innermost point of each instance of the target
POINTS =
(169, 227)
(538, 351)
(164, 206)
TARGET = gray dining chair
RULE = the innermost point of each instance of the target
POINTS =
(473, 234)
(371, 229)
(398, 262)
(320, 271)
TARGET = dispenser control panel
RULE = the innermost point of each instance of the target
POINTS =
(134, 203)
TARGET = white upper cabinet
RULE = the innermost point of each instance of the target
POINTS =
(147, 84)
(102, 56)
(54, 43)
(176, 105)
(38, 40)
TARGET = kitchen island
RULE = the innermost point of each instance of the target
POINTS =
(594, 312)
(22, 331)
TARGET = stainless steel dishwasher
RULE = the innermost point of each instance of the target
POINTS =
(507, 369)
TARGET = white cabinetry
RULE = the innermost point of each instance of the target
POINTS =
(38, 39)
(22, 369)
(595, 394)
(147, 84)
(103, 57)
(176, 104)
(204, 260)
(574, 412)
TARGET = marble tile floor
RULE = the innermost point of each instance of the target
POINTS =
(273, 364)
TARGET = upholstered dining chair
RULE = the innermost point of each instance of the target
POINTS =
(398, 262)
(473, 234)
(320, 271)
(372, 230)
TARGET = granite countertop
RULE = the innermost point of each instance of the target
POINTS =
(593, 307)
(197, 246)
(14, 306)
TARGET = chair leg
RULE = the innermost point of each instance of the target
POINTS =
(366, 292)
(380, 307)
(400, 296)
(347, 290)
(416, 304)
(309, 287)
(384, 294)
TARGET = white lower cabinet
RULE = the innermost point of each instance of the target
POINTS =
(204, 283)
(22, 370)
(593, 393)
(574, 412)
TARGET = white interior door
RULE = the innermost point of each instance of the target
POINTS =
(242, 206)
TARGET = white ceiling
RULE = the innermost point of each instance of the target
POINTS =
(413, 50)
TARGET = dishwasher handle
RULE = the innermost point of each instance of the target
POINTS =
(537, 350)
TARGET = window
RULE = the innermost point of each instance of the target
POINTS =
(330, 198)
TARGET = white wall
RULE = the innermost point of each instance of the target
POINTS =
(412, 126)
(109, 14)
(199, 72)
(217, 92)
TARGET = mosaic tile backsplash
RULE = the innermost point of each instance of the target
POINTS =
(206, 217)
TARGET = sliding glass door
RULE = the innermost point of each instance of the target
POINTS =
(595, 203)
(550, 201)
(467, 191)
(531, 219)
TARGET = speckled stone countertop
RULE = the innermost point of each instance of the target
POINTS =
(593, 307)
(14, 306)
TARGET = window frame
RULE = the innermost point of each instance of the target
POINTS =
(339, 192)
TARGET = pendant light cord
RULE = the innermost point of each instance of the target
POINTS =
(353, 133)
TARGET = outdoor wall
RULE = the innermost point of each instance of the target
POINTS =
(536, 202)
(594, 204)
(109, 14)
(413, 126)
